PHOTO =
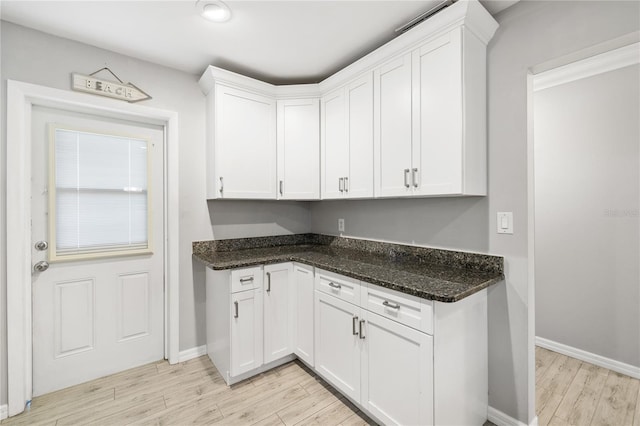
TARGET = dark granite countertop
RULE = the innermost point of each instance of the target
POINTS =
(433, 274)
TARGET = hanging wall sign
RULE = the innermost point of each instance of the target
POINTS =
(112, 89)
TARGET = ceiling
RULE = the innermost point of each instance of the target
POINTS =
(282, 42)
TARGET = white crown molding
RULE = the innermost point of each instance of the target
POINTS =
(192, 353)
(598, 64)
(467, 13)
(600, 361)
(499, 418)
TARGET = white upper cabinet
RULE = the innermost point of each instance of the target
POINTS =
(243, 149)
(347, 140)
(392, 135)
(298, 149)
(406, 120)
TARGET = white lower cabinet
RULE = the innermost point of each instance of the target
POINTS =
(397, 371)
(246, 331)
(303, 332)
(383, 365)
(338, 345)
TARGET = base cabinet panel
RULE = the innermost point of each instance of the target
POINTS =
(397, 372)
(277, 311)
(337, 343)
(246, 331)
(303, 313)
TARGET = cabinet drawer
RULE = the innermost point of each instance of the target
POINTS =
(339, 286)
(246, 279)
(404, 308)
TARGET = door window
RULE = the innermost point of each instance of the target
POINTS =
(98, 194)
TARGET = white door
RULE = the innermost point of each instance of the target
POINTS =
(437, 152)
(337, 343)
(359, 95)
(97, 205)
(397, 372)
(298, 149)
(303, 318)
(277, 311)
(393, 133)
(246, 331)
(335, 147)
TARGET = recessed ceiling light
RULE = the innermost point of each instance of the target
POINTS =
(213, 10)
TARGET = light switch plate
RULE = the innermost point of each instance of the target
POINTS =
(504, 222)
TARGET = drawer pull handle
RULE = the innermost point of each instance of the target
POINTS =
(361, 332)
(268, 282)
(246, 280)
(353, 326)
(235, 304)
(391, 305)
(406, 177)
(337, 286)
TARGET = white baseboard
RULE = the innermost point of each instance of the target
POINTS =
(600, 361)
(4, 411)
(499, 418)
(192, 353)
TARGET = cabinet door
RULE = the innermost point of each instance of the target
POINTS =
(303, 319)
(337, 343)
(246, 331)
(359, 96)
(437, 156)
(277, 311)
(392, 131)
(397, 372)
(334, 144)
(244, 144)
(298, 149)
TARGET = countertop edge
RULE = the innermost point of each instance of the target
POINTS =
(371, 280)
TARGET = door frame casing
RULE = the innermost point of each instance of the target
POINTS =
(21, 98)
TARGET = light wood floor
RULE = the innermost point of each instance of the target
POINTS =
(572, 392)
(568, 392)
(194, 393)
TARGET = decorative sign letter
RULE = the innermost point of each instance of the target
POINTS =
(118, 90)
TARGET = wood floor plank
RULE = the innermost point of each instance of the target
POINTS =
(251, 413)
(202, 410)
(556, 379)
(272, 420)
(544, 359)
(129, 415)
(636, 417)
(546, 413)
(618, 401)
(313, 403)
(357, 419)
(334, 414)
(88, 415)
(579, 402)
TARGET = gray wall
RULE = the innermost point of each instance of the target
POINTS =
(35, 57)
(587, 194)
(530, 34)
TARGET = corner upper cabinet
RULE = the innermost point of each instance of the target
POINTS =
(430, 115)
(298, 147)
(347, 140)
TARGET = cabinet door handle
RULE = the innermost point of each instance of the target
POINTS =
(221, 185)
(353, 326)
(268, 282)
(281, 185)
(414, 177)
(346, 184)
(334, 285)
(406, 178)
(341, 184)
(246, 280)
(391, 305)
(361, 331)
(235, 304)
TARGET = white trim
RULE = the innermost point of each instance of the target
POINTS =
(192, 353)
(499, 418)
(4, 410)
(582, 355)
(21, 97)
(604, 62)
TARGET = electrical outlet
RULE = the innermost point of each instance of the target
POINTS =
(340, 225)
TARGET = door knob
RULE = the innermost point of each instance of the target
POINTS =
(41, 245)
(41, 266)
